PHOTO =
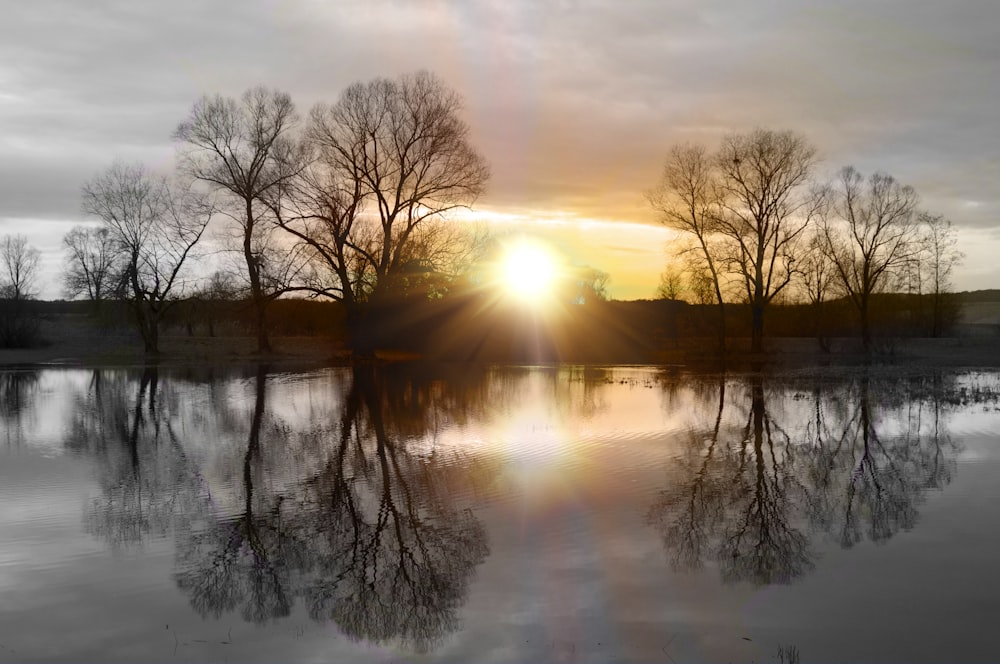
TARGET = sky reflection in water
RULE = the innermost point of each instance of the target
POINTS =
(496, 515)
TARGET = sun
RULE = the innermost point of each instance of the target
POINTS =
(529, 271)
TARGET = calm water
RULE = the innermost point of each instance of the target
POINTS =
(508, 515)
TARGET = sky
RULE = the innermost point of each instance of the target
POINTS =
(573, 103)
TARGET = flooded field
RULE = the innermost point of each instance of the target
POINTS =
(504, 514)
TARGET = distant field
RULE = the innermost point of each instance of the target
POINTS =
(981, 313)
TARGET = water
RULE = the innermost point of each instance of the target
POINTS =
(497, 514)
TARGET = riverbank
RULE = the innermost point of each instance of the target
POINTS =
(76, 340)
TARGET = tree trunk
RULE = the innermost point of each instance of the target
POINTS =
(819, 325)
(936, 315)
(757, 330)
(263, 342)
(361, 336)
(866, 328)
(152, 339)
(148, 329)
(722, 325)
(256, 290)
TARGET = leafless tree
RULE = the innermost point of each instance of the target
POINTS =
(19, 326)
(671, 284)
(869, 233)
(18, 268)
(940, 239)
(92, 262)
(766, 202)
(699, 280)
(818, 280)
(155, 225)
(391, 159)
(687, 200)
(245, 148)
(587, 284)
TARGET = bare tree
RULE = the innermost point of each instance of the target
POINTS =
(588, 284)
(869, 233)
(686, 200)
(245, 149)
(18, 268)
(671, 284)
(19, 326)
(156, 226)
(766, 202)
(818, 279)
(940, 239)
(92, 259)
(392, 158)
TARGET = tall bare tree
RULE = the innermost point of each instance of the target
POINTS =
(766, 202)
(155, 226)
(246, 149)
(869, 233)
(92, 258)
(390, 159)
(18, 268)
(686, 200)
(940, 239)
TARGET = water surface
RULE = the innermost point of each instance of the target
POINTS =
(497, 514)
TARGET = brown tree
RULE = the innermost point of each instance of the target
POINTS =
(18, 268)
(765, 204)
(686, 200)
(391, 159)
(155, 226)
(92, 258)
(818, 279)
(19, 326)
(245, 149)
(940, 239)
(869, 234)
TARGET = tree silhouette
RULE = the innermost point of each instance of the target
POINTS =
(392, 157)
(245, 149)
(869, 235)
(154, 226)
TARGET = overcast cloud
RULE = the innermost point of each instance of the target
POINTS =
(574, 103)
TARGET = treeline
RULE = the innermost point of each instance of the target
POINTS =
(762, 227)
(353, 204)
(476, 326)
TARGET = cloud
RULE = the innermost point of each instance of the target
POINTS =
(574, 102)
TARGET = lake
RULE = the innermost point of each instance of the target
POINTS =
(498, 514)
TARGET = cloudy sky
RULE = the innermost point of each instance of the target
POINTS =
(574, 103)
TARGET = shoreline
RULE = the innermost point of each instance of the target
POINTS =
(75, 343)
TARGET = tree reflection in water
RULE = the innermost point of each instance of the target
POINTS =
(18, 391)
(146, 480)
(368, 534)
(854, 466)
